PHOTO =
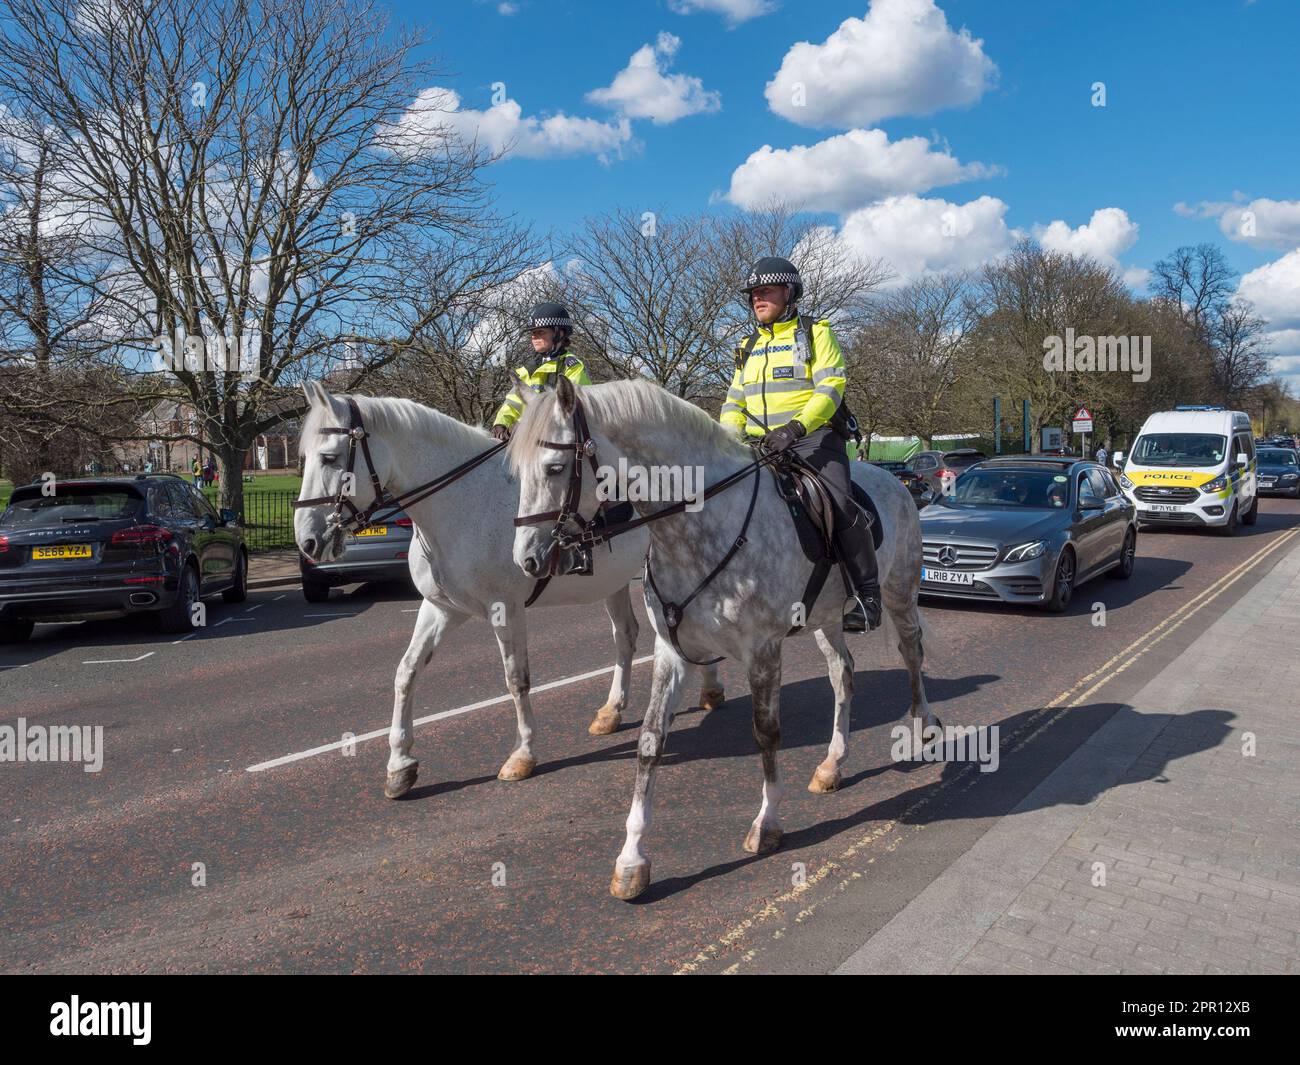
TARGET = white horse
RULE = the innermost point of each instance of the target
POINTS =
(748, 608)
(460, 558)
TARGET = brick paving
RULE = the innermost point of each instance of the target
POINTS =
(1161, 846)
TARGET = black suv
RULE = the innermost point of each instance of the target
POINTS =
(104, 547)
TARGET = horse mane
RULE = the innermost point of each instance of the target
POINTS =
(400, 419)
(634, 402)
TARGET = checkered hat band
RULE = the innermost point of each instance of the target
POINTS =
(773, 279)
(538, 323)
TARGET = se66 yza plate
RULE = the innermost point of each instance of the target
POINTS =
(40, 554)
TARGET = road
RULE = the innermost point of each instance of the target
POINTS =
(305, 866)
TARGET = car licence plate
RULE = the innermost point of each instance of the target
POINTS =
(1164, 508)
(40, 554)
(372, 530)
(945, 576)
(1267, 480)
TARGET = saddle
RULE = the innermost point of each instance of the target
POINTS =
(809, 501)
(811, 510)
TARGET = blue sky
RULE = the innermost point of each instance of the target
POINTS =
(1199, 123)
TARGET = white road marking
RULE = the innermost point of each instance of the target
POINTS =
(278, 598)
(225, 621)
(329, 615)
(184, 638)
(377, 733)
(252, 608)
(108, 661)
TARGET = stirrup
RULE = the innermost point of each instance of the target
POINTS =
(861, 613)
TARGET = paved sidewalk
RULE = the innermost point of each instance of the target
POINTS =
(269, 568)
(1198, 842)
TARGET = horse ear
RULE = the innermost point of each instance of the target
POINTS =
(568, 395)
(315, 393)
(306, 391)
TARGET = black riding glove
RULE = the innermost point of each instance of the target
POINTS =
(782, 438)
(500, 432)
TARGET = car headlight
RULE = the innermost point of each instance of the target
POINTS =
(1125, 482)
(1289, 476)
(1024, 552)
(1215, 486)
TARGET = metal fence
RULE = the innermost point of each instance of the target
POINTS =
(267, 518)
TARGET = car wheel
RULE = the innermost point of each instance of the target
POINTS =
(179, 617)
(314, 590)
(1249, 517)
(16, 631)
(1062, 583)
(1229, 528)
(1295, 492)
(238, 592)
(1127, 557)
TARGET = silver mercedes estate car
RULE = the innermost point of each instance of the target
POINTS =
(1027, 529)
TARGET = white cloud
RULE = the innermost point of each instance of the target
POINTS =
(1108, 234)
(642, 89)
(507, 8)
(1274, 289)
(847, 171)
(901, 58)
(735, 11)
(917, 236)
(1261, 223)
(437, 110)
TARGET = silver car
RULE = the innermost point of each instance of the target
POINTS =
(1027, 529)
(377, 553)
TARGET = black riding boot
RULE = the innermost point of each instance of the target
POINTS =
(861, 577)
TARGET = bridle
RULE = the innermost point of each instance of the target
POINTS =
(358, 518)
(588, 533)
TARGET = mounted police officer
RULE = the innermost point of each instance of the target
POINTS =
(788, 389)
(552, 329)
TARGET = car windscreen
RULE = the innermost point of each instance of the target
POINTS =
(1277, 458)
(957, 461)
(1036, 489)
(29, 508)
(1179, 449)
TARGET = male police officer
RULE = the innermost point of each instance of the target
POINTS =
(788, 389)
(551, 328)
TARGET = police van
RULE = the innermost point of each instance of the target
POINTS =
(1193, 466)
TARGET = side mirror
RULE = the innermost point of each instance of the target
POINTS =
(1091, 503)
(1117, 459)
(1242, 460)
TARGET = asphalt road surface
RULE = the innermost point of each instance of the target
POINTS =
(224, 749)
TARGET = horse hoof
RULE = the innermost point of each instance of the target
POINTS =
(605, 722)
(763, 839)
(399, 783)
(629, 881)
(712, 699)
(825, 780)
(518, 767)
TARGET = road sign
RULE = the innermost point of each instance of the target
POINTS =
(1083, 420)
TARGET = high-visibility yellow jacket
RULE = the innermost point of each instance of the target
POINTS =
(774, 385)
(537, 377)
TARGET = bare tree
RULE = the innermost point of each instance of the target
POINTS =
(1239, 361)
(261, 169)
(1196, 280)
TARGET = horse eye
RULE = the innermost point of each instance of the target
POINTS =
(555, 469)
(329, 460)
